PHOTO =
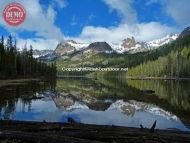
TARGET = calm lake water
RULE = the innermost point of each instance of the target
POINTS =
(107, 101)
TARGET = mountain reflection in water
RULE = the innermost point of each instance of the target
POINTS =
(105, 101)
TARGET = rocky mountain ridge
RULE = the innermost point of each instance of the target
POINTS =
(185, 32)
(71, 48)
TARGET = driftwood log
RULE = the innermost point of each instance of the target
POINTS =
(42, 132)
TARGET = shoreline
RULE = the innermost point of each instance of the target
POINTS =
(28, 131)
(132, 78)
(21, 81)
(158, 78)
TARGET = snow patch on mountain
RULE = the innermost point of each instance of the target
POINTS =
(165, 40)
(78, 46)
(77, 105)
(41, 53)
(118, 48)
(132, 106)
(129, 45)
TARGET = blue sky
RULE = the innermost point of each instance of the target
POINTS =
(79, 13)
(50, 21)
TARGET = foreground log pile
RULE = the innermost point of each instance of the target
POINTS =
(42, 132)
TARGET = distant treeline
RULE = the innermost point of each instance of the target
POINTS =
(15, 64)
(170, 60)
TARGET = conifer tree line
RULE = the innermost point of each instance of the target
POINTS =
(15, 64)
(175, 64)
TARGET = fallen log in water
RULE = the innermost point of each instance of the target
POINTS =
(81, 133)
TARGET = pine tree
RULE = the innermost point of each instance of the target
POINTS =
(22, 64)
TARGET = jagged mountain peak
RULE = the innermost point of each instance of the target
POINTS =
(64, 49)
(75, 44)
(185, 32)
(67, 42)
(129, 42)
(71, 41)
(130, 45)
(128, 39)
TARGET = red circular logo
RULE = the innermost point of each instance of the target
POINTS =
(14, 14)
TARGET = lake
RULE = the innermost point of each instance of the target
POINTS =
(106, 101)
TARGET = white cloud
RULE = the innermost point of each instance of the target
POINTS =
(91, 16)
(124, 8)
(149, 2)
(74, 21)
(38, 19)
(128, 27)
(60, 3)
(42, 21)
(179, 10)
(38, 43)
(142, 32)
